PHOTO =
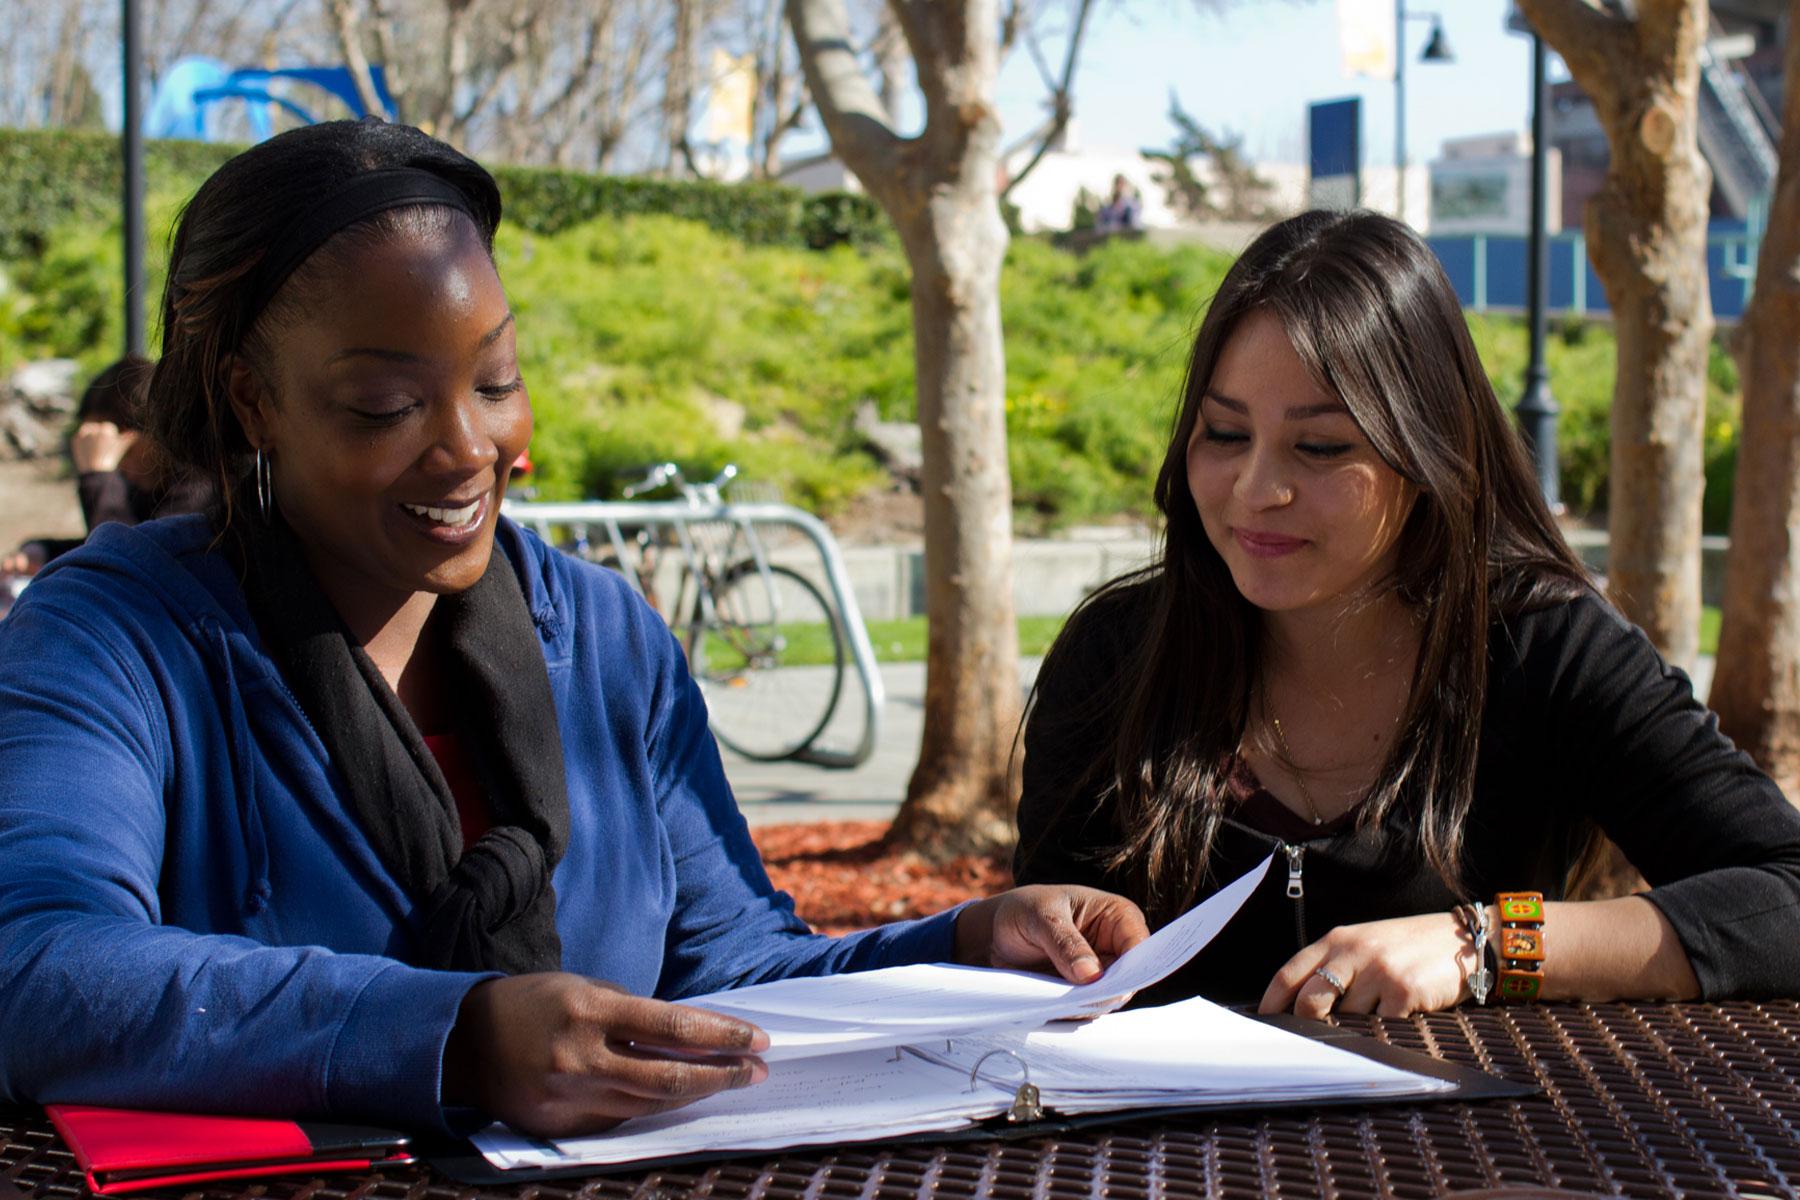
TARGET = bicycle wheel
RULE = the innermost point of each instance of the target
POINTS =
(770, 662)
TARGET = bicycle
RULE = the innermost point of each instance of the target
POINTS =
(766, 648)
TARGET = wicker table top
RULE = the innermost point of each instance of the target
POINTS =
(1637, 1100)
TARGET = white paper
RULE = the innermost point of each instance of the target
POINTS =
(824, 1088)
(897, 1005)
(1192, 1052)
(834, 1098)
(1189, 1052)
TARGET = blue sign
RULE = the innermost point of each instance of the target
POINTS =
(1334, 153)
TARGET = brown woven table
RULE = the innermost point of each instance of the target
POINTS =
(1637, 1100)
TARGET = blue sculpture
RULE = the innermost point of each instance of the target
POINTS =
(188, 92)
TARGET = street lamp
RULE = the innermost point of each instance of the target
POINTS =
(133, 150)
(1437, 49)
(1537, 408)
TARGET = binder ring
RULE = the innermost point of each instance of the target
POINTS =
(1026, 1105)
(975, 1071)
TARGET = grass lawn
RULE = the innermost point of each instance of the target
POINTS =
(904, 640)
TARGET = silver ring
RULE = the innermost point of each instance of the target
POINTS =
(1330, 977)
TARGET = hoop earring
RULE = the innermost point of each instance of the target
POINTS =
(265, 485)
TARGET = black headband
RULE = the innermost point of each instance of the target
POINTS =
(358, 199)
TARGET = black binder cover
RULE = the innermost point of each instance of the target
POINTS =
(462, 1162)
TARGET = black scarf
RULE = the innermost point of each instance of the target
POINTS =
(485, 907)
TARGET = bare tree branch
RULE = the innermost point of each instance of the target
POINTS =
(1017, 18)
(348, 24)
(1062, 96)
(1036, 53)
(518, 32)
(598, 28)
(381, 21)
(1583, 33)
(860, 133)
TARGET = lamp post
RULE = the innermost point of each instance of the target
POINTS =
(1537, 408)
(1437, 49)
(133, 147)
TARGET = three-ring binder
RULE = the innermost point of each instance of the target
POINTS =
(1027, 1105)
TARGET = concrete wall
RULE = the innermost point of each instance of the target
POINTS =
(1052, 576)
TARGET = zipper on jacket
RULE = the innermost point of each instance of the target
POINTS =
(1296, 890)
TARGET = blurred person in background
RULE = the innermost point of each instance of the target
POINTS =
(116, 471)
(1123, 211)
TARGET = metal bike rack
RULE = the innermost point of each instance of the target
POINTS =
(613, 516)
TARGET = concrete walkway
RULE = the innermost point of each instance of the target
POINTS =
(774, 793)
(771, 793)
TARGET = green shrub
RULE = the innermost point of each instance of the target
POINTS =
(719, 336)
(47, 177)
(1095, 351)
(1580, 356)
(67, 301)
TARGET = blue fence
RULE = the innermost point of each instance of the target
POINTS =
(1488, 271)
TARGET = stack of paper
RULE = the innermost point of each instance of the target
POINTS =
(886, 1053)
(1191, 1052)
(896, 1006)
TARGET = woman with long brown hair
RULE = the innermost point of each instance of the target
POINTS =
(1368, 651)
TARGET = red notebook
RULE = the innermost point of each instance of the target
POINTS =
(128, 1150)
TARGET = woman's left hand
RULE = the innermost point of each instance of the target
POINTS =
(1074, 931)
(1393, 968)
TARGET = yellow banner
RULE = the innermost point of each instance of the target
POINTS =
(728, 100)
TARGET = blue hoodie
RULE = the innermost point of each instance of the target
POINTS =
(190, 916)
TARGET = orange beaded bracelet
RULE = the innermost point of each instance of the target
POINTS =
(1521, 945)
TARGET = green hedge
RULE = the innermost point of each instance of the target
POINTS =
(47, 177)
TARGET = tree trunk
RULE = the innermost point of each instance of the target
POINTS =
(678, 90)
(1756, 688)
(960, 797)
(1647, 238)
(891, 61)
(1649, 248)
(939, 189)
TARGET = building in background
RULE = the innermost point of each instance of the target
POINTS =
(1482, 184)
(1071, 175)
(1740, 95)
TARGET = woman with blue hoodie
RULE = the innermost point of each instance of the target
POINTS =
(344, 799)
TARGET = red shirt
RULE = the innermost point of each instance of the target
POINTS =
(472, 808)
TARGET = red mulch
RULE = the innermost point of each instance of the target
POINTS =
(841, 880)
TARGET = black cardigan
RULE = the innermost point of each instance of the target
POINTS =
(1584, 723)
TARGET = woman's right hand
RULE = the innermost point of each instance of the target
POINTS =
(26, 560)
(99, 446)
(555, 1055)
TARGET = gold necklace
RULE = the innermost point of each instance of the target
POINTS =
(1287, 760)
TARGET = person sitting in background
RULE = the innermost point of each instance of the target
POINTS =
(1122, 211)
(351, 798)
(116, 473)
(1368, 652)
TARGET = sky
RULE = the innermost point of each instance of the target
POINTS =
(1253, 66)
